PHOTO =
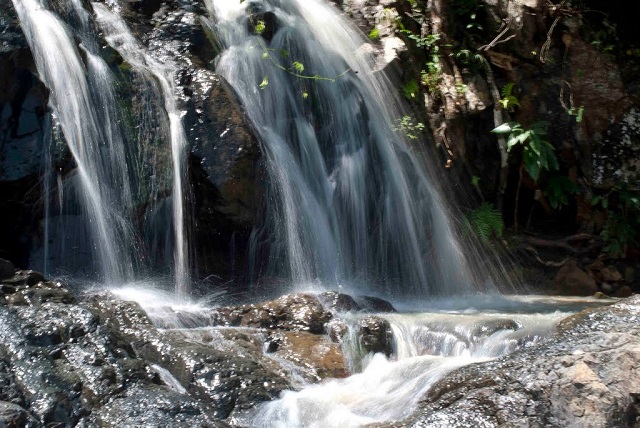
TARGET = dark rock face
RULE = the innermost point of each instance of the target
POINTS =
(374, 335)
(224, 373)
(339, 302)
(101, 362)
(583, 376)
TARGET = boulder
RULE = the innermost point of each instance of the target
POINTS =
(572, 281)
(7, 269)
(374, 335)
(338, 302)
(14, 416)
(321, 357)
(299, 312)
(624, 291)
(224, 369)
(24, 277)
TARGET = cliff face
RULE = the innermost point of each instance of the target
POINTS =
(570, 64)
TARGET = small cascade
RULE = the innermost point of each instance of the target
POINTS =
(349, 202)
(426, 347)
(120, 38)
(82, 97)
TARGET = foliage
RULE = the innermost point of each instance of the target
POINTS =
(486, 222)
(406, 125)
(537, 153)
(296, 68)
(411, 90)
(468, 11)
(508, 100)
(558, 190)
(431, 76)
(621, 229)
(374, 34)
(259, 27)
(471, 61)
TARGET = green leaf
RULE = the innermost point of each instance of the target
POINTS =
(486, 222)
(579, 114)
(475, 181)
(265, 55)
(298, 66)
(505, 128)
(264, 83)
(259, 27)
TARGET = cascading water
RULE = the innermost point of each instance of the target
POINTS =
(120, 38)
(348, 201)
(83, 100)
(427, 347)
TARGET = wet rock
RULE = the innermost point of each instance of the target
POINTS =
(338, 302)
(7, 269)
(44, 291)
(337, 330)
(374, 304)
(319, 356)
(223, 369)
(489, 327)
(624, 291)
(150, 406)
(582, 376)
(14, 416)
(302, 312)
(62, 361)
(374, 335)
(24, 277)
(572, 281)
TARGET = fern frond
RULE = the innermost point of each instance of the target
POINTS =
(486, 222)
(507, 90)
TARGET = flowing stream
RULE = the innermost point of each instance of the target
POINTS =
(428, 343)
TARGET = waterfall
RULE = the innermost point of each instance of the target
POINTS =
(120, 38)
(83, 100)
(348, 200)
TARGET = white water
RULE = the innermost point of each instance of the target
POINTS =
(428, 346)
(82, 98)
(118, 35)
(348, 201)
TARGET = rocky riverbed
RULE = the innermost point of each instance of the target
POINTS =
(93, 359)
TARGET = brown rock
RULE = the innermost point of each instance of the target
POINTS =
(572, 281)
(312, 351)
(597, 86)
(624, 291)
(611, 274)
